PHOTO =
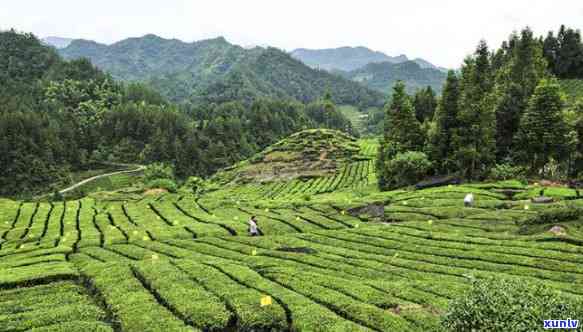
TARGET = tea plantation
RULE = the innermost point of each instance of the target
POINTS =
(335, 254)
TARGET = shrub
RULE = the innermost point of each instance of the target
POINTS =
(406, 169)
(167, 184)
(157, 171)
(502, 172)
(555, 215)
(509, 305)
(194, 185)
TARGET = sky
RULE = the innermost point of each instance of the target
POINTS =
(442, 32)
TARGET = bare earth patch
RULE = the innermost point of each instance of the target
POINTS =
(155, 192)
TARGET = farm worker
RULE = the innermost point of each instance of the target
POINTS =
(469, 200)
(253, 230)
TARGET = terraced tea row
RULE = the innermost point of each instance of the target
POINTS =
(174, 263)
(86, 223)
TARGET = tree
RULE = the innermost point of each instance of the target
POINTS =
(475, 147)
(569, 57)
(543, 131)
(446, 124)
(402, 131)
(515, 83)
(425, 104)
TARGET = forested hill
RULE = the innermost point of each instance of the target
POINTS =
(60, 117)
(383, 76)
(216, 71)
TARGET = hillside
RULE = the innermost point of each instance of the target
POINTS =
(215, 71)
(383, 76)
(308, 154)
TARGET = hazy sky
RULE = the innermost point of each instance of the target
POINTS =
(441, 31)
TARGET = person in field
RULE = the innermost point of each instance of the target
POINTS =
(253, 229)
(469, 200)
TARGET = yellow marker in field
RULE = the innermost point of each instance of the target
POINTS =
(343, 212)
(135, 232)
(526, 207)
(266, 210)
(266, 300)
(145, 238)
(449, 186)
(297, 218)
(155, 257)
(254, 252)
(430, 222)
(405, 203)
(356, 226)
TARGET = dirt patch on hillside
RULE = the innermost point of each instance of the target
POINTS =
(155, 192)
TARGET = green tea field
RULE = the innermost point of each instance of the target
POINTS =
(335, 255)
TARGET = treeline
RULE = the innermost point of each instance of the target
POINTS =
(564, 53)
(502, 115)
(60, 116)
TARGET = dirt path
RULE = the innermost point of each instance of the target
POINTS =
(80, 183)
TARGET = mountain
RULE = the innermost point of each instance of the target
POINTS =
(343, 58)
(350, 58)
(57, 42)
(214, 70)
(382, 76)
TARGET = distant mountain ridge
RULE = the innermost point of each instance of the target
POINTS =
(343, 58)
(350, 58)
(215, 70)
(57, 42)
(382, 76)
(373, 69)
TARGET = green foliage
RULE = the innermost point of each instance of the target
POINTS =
(167, 184)
(425, 104)
(474, 143)
(195, 185)
(564, 53)
(543, 130)
(554, 216)
(496, 304)
(446, 125)
(502, 172)
(402, 132)
(157, 171)
(405, 169)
